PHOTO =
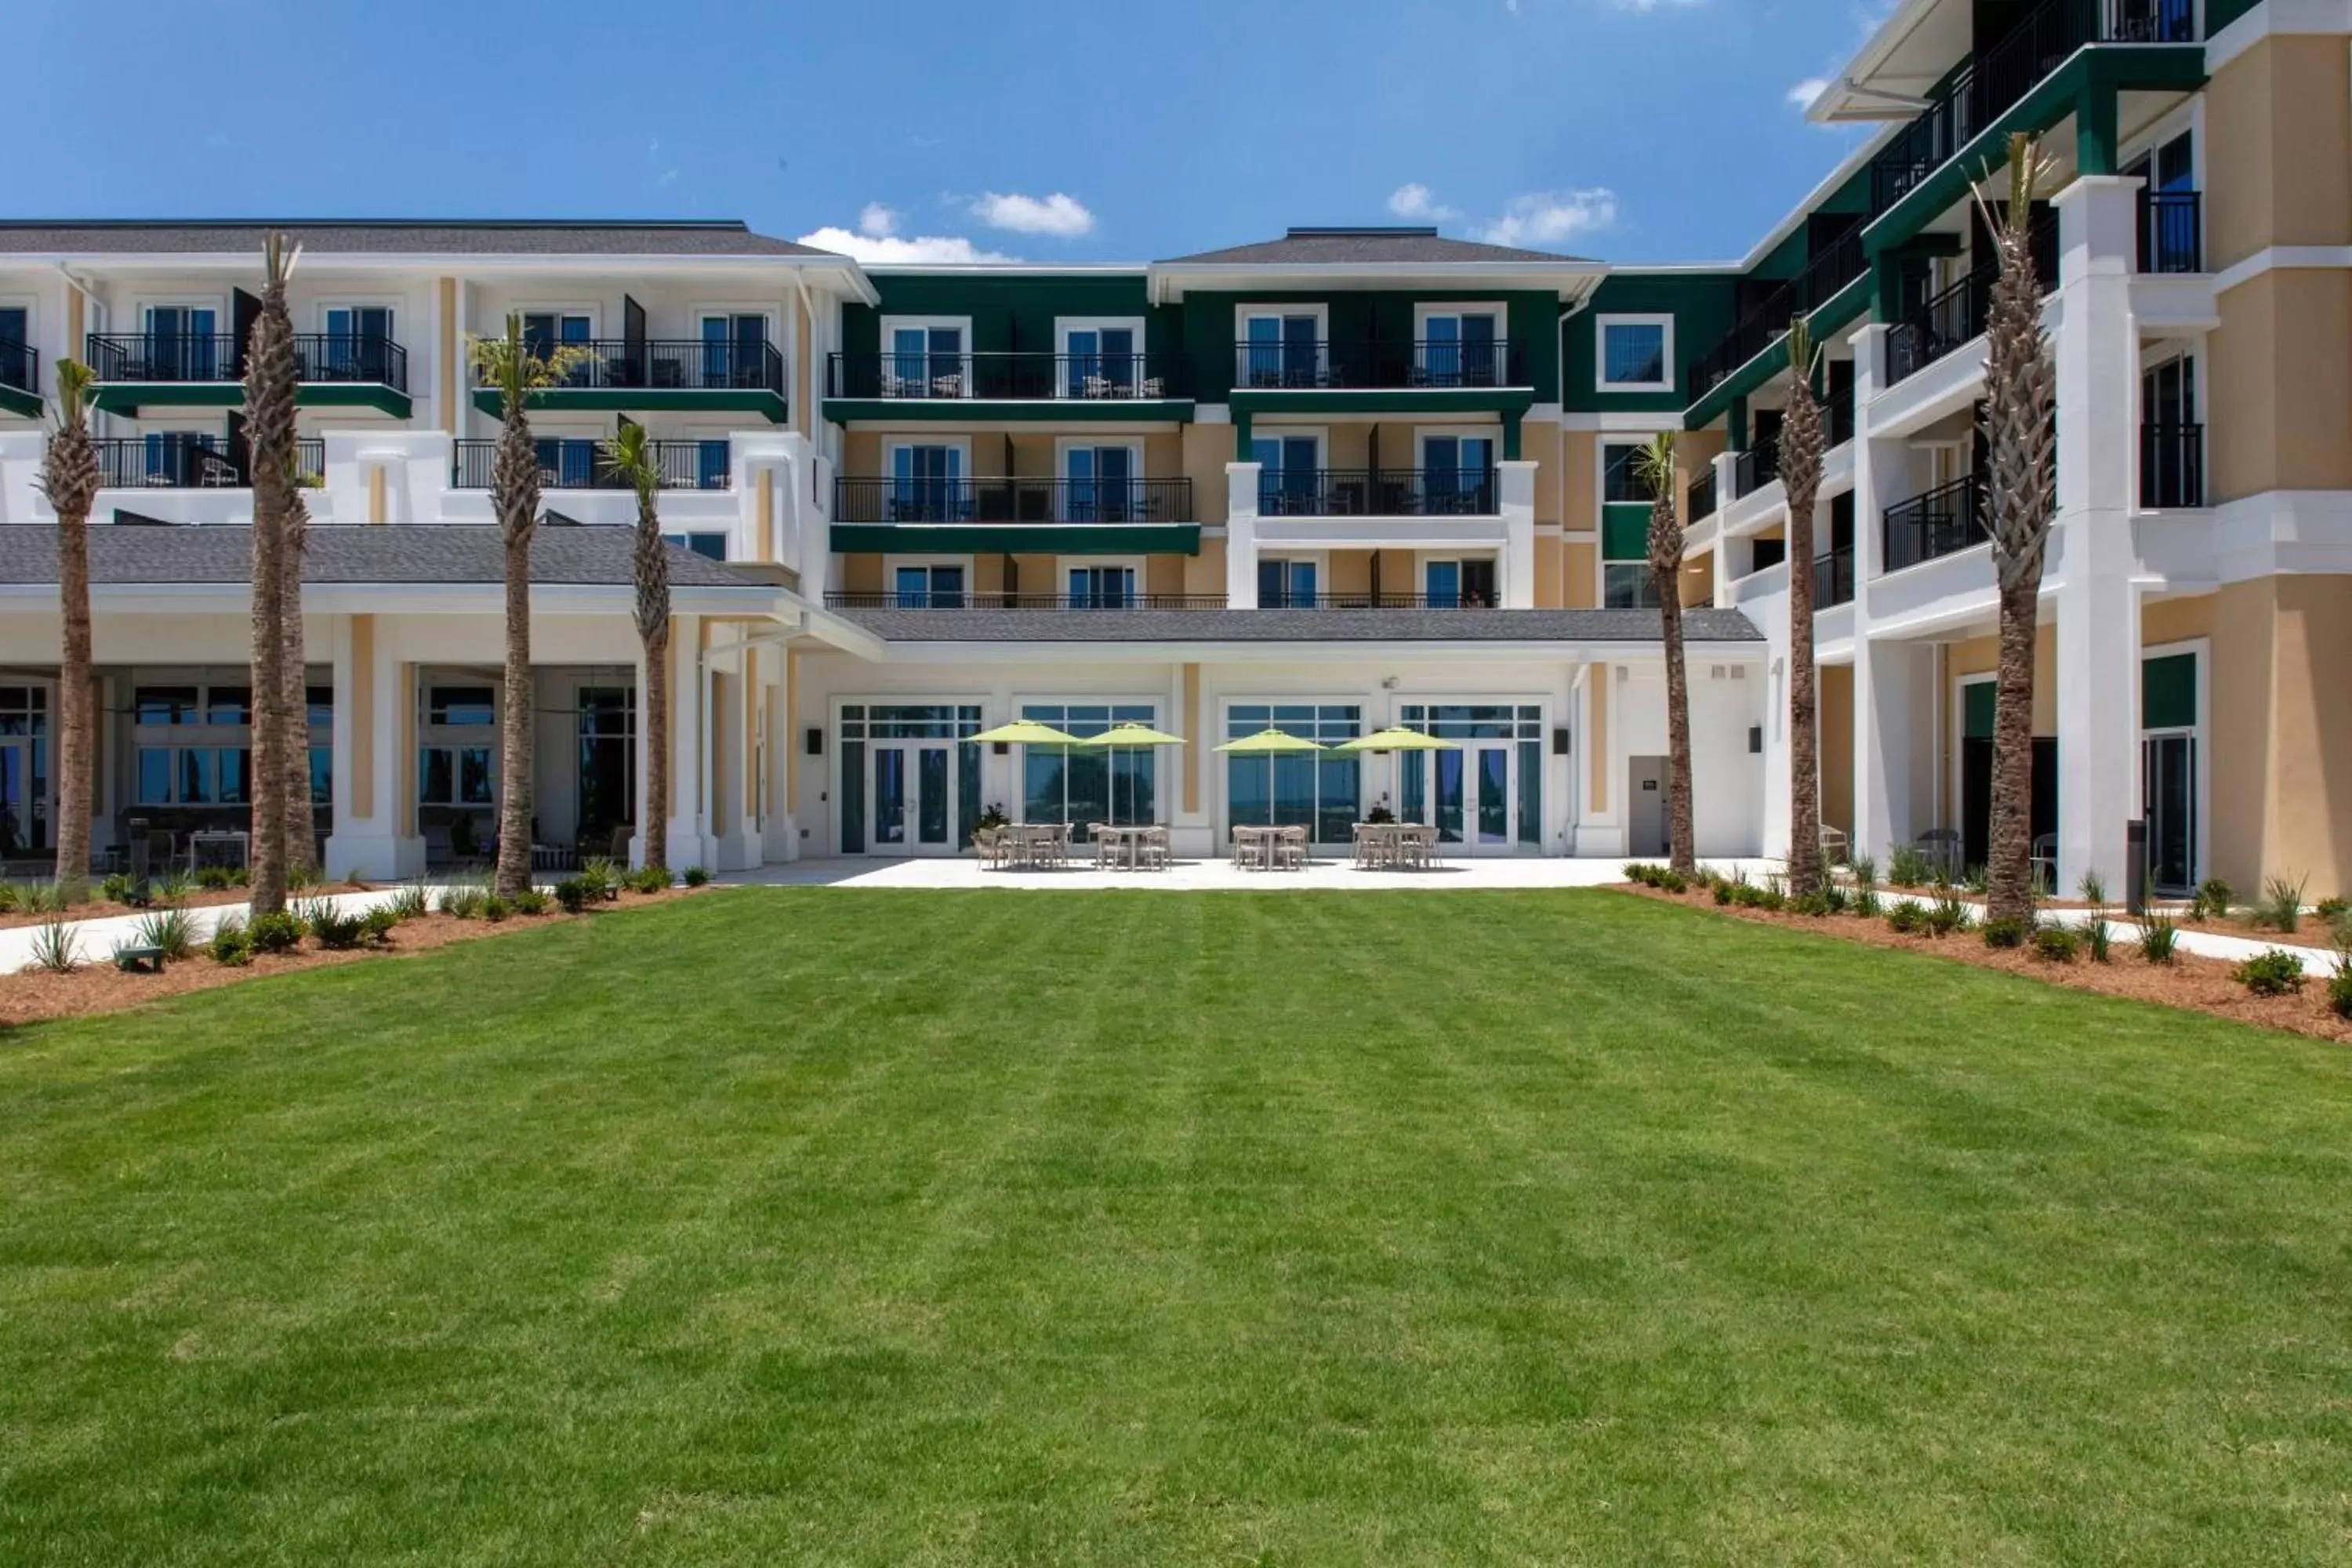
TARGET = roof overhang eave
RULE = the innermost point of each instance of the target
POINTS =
(1573, 280)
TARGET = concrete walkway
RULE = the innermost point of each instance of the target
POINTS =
(96, 939)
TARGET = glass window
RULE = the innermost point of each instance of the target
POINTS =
(1626, 585)
(1320, 792)
(1102, 587)
(155, 775)
(452, 775)
(1620, 473)
(710, 545)
(165, 704)
(461, 706)
(607, 760)
(1633, 354)
(322, 776)
(1285, 584)
(228, 705)
(322, 702)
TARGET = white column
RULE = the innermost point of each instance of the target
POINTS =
(689, 811)
(1241, 536)
(2097, 638)
(370, 843)
(1887, 677)
(1724, 575)
(1515, 482)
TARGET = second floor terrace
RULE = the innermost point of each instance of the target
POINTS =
(723, 371)
(183, 365)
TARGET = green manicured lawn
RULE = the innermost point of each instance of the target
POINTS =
(903, 1227)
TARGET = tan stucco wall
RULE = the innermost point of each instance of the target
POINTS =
(1549, 554)
(1694, 452)
(1698, 579)
(1351, 572)
(862, 574)
(1540, 444)
(1981, 656)
(1205, 572)
(1580, 576)
(1206, 449)
(2278, 148)
(2283, 411)
(1035, 575)
(1579, 510)
(1837, 745)
(2280, 738)
(1163, 573)
(2165, 621)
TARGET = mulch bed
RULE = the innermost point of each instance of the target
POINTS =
(2199, 985)
(97, 909)
(100, 987)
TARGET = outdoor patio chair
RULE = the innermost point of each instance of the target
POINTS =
(1290, 848)
(1106, 846)
(1833, 844)
(2046, 864)
(1941, 846)
(1157, 849)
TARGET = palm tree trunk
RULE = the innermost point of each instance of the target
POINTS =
(2009, 864)
(518, 715)
(1683, 837)
(76, 734)
(1802, 440)
(301, 828)
(266, 770)
(655, 830)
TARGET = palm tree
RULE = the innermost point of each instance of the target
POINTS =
(273, 378)
(630, 457)
(1800, 474)
(70, 478)
(2021, 448)
(512, 366)
(1655, 464)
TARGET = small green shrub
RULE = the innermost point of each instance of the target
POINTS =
(600, 878)
(2281, 908)
(1638, 872)
(1947, 915)
(117, 887)
(232, 944)
(2092, 888)
(54, 948)
(36, 898)
(1672, 882)
(1907, 917)
(2158, 935)
(300, 876)
(279, 932)
(656, 880)
(2213, 901)
(1817, 906)
(530, 902)
(1909, 866)
(463, 901)
(377, 925)
(2332, 909)
(1978, 881)
(171, 932)
(495, 909)
(2098, 939)
(1723, 889)
(2056, 943)
(2008, 932)
(221, 878)
(2270, 973)
(573, 893)
(2339, 990)
(408, 903)
(697, 875)
(330, 927)
(1867, 903)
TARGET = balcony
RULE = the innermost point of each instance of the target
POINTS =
(1378, 492)
(1942, 521)
(2171, 231)
(1824, 278)
(185, 462)
(1086, 379)
(1955, 317)
(206, 369)
(1753, 469)
(2171, 465)
(1326, 365)
(20, 378)
(576, 465)
(1987, 86)
(639, 374)
(1698, 501)
(1833, 579)
(1016, 515)
(934, 599)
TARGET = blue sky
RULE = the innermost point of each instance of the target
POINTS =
(1045, 130)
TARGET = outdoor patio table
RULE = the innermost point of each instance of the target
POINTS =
(1379, 844)
(1128, 839)
(1259, 842)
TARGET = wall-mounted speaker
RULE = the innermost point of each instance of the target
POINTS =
(1756, 738)
(1560, 741)
(814, 746)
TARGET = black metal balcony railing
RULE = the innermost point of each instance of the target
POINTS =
(1823, 279)
(1759, 465)
(949, 599)
(667, 365)
(1012, 500)
(1957, 316)
(1698, 501)
(1378, 367)
(1942, 521)
(1833, 578)
(2007, 68)
(20, 365)
(2171, 231)
(1383, 492)
(2171, 465)
(1841, 419)
(1006, 377)
(324, 357)
(187, 461)
(573, 464)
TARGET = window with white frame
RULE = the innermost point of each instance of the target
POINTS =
(1290, 473)
(457, 748)
(929, 483)
(1281, 346)
(192, 742)
(927, 584)
(1637, 353)
(356, 342)
(926, 357)
(1458, 345)
(1286, 582)
(1102, 481)
(1101, 357)
(1102, 585)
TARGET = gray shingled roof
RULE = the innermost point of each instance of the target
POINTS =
(394, 236)
(1367, 248)
(1296, 626)
(396, 552)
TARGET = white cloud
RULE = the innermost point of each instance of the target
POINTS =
(888, 247)
(876, 221)
(1063, 217)
(1414, 200)
(1552, 217)
(1805, 91)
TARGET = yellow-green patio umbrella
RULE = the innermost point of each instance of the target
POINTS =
(1132, 733)
(1267, 743)
(1025, 733)
(1397, 740)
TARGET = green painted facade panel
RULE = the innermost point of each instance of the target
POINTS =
(1977, 699)
(1210, 328)
(1625, 531)
(1431, 401)
(1701, 305)
(16, 400)
(1018, 538)
(130, 396)
(2167, 692)
(1011, 315)
(1013, 411)
(769, 405)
